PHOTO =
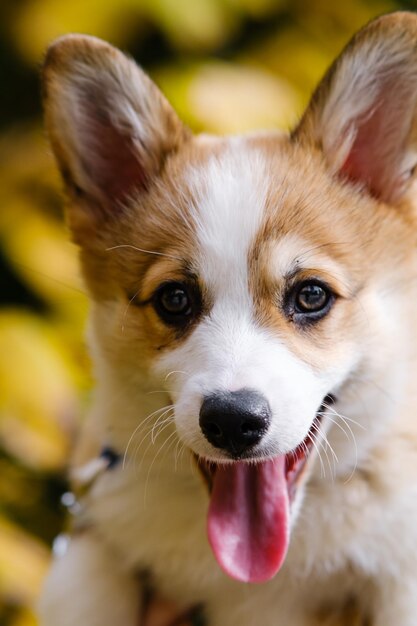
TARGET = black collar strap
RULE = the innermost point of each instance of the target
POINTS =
(82, 477)
(112, 457)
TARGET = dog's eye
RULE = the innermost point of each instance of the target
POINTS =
(174, 303)
(309, 301)
(311, 298)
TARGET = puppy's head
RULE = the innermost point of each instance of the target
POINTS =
(255, 278)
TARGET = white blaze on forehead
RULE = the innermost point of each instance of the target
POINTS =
(230, 191)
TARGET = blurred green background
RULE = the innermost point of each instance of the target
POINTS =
(227, 66)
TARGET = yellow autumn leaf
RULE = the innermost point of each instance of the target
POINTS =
(229, 98)
(23, 564)
(38, 405)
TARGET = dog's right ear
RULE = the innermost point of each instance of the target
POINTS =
(110, 127)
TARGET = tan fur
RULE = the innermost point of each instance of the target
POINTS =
(351, 558)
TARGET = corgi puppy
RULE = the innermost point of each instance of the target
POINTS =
(252, 444)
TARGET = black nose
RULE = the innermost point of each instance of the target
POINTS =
(235, 420)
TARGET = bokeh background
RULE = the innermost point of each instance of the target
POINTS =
(227, 66)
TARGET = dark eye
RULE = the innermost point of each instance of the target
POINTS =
(175, 303)
(310, 301)
(311, 297)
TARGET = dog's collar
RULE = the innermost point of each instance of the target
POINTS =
(110, 456)
(83, 477)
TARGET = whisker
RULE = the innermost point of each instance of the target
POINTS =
(349, 419)
(160, 422)
(349, 435)
(346, 420)
(321, 439)
(128, 245)
(173, 434)
(174, 372)
(329, 446)
(171, 446)
(152, 440)
(332, 466)
(126, 310)
(322, 468)
(178, 450)
(182, 451)
(139, 428)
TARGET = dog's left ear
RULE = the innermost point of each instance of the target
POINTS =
(363, 114)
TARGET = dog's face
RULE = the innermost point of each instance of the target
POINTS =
(253, 278)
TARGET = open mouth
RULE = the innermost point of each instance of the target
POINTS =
(249, 512)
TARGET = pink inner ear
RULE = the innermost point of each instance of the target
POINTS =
(377, 153)
(363, 162)
(109, 157)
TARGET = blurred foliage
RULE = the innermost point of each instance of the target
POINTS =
(227, 66)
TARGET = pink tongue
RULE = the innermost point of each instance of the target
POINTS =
(248, 519)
